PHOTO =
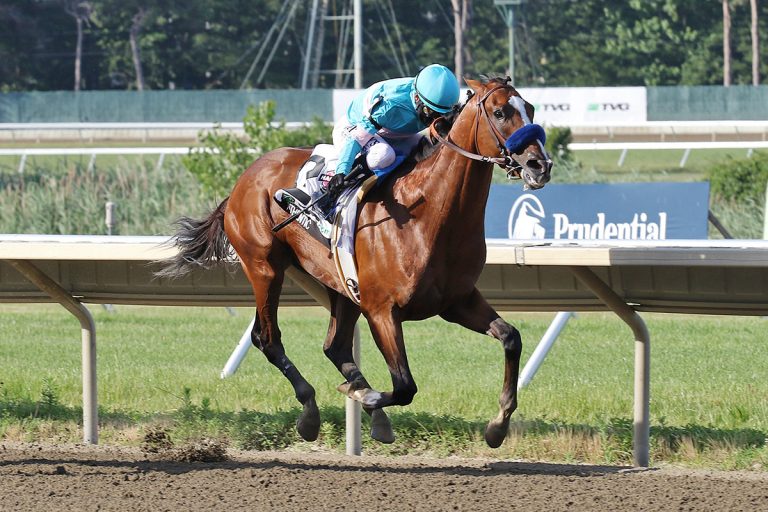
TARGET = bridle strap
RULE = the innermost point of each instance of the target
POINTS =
(463, 152)
(505, 160)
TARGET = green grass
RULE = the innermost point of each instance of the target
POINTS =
(160, 367)
(655, 165)
(66, 197)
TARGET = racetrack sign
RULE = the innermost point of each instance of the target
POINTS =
(615, 211)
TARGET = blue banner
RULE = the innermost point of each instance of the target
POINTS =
(613, 211)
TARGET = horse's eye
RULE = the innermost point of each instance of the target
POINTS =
(498, 113)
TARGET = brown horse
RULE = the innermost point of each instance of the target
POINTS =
(420, 248)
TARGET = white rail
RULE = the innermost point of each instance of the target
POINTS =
(574, 146)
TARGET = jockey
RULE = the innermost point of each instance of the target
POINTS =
(385, 120)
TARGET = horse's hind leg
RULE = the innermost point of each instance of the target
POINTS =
(338, 348)
(265, 335)
(476, 314)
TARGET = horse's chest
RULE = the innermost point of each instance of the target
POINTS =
(442, 281)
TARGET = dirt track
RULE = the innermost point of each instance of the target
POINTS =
(36, 477)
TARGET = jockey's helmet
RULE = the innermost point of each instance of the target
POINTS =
(437, 87)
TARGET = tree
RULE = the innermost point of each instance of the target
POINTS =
(209, 44)
(136, 24)
(81, 11)
(726, 43)
(755, 44)
(461, 20)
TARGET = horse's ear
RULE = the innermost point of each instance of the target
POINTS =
(475, 85)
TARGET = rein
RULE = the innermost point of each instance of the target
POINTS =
(505, 161)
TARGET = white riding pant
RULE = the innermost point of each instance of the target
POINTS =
(379, 152)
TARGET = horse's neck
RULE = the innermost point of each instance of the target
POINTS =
(456, 188)
(463, 184)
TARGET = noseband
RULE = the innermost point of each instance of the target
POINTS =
(505, 160)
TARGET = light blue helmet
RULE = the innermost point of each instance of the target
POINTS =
(437, 87)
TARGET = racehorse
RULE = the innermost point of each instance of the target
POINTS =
(419, 245)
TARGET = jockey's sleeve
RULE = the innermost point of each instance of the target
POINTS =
(359, 137)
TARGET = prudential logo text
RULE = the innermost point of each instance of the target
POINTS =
(527, 220)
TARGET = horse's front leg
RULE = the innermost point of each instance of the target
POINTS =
(338, 348)
(387, 332)
(476, 314)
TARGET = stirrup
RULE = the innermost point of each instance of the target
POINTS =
(291, 197)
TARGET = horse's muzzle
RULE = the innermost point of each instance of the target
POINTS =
(536, 171)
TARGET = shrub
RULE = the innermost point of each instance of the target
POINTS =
(69, 199)
(742, 179)
(558, 139)
(223, 157)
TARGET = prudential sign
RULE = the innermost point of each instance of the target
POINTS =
(627, 211)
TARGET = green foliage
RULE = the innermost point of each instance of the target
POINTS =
(211, 44)
(223, 156)
(49, 396)
(69, 198)
(738, 188)
(558, 139)
(742, 179)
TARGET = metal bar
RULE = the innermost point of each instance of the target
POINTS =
(92, 163)
(542, 349)
(622, 157)
(310, 46)
(276, 44)
(642, 430)
(686, 154)
(353, 408)
(22, 162)
(233, 363)
(732, 144)
(358, 43)
(765, 214)
(719, 225)
(88, 328)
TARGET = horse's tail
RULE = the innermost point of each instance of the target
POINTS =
(201, 243)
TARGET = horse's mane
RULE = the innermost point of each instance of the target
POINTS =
(497, 79)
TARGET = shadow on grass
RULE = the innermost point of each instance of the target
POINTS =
(21, 410)
(415, 431)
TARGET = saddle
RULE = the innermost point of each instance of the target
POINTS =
(336, 230)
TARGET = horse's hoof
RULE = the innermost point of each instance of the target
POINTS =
(381, 427)
(308, 423)
(495, 433)
(366, 396)
(344, 388)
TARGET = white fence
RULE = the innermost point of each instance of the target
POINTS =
(162, 151)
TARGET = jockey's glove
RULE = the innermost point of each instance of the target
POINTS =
(337, 184)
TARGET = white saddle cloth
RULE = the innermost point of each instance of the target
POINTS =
(342, 230)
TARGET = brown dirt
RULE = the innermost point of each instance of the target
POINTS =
(38, 477)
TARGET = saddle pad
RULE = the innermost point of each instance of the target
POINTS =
(343, 239)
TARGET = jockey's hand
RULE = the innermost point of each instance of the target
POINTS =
(337, 184)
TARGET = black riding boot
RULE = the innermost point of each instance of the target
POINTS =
(291, 199)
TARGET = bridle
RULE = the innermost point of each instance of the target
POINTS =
(505, 160)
